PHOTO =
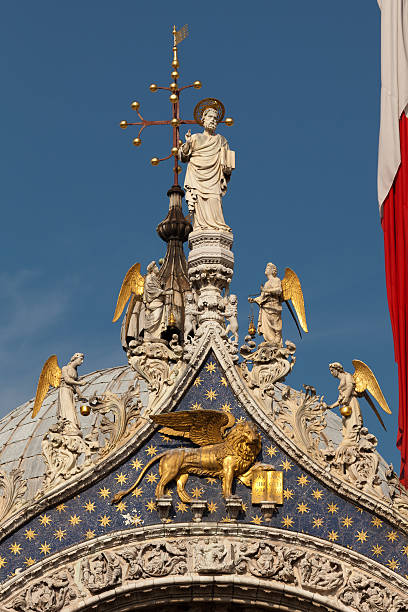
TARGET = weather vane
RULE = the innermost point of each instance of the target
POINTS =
(175, 120)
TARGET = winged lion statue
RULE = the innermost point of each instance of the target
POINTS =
(219, 454)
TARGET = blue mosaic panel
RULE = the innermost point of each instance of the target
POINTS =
(309, 506)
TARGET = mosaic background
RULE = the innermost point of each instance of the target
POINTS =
(309, 507)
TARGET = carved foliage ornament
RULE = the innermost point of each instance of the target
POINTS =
(269, 365)
(13, 488)
(125, 416)
(306, 570)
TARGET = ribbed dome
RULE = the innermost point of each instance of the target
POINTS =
(21, 436)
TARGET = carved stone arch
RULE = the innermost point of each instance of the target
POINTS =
(161, 566)
(211, 594)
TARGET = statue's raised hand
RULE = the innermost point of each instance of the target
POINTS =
(188, 136)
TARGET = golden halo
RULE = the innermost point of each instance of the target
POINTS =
(209, 103)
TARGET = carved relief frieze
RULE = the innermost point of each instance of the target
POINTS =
(213, 556)
(101, 572)
(334, 576)
(50, 594)
(265, 560)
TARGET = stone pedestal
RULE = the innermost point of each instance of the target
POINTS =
(210, 270)
(198, 507)
(163, 505)
(233, 506)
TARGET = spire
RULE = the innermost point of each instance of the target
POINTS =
(174, 279)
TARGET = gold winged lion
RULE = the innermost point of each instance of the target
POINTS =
(220, 454)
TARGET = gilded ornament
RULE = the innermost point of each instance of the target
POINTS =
(267, 486)
(123, 125)
(366, 381)
(133, 284)
(174, 151)
(251, 328)
(179, 36)
(221, 454)
(50, 376)
(155, 161)
(346, 411)
(135, 105)
(292, 290)
(178, 169)
(197, 84)
(175, 122)
(175, 75)
(202, 105)
(137, 142)
(173, 98)
(229, 121)
(173, 86)
(153, 87)
(85, 410)
(175, 63)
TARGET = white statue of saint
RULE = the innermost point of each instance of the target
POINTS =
(210, 163)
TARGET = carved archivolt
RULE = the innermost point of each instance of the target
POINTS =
(274, 563)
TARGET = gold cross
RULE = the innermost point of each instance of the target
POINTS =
(175, 120)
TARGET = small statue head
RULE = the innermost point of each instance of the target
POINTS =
(152, 267)
(209, 119)
(77, 359)
(233, 298)
(271, 269)
(189, 298)
(335, 368)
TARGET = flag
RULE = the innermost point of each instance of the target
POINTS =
(393, 193)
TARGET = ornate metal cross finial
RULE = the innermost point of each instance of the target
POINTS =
(175, 121)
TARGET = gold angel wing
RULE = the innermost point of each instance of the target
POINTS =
(292, 290)
(132, 283)
(50, 375)
(365, 380)
(201, 426)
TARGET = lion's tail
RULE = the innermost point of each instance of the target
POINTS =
(122, 494)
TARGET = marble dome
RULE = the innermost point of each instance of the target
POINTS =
(21, 435)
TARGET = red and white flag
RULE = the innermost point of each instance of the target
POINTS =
(393, 193)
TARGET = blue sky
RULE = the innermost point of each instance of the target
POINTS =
(80, 203)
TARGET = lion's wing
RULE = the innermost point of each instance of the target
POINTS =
(202, 427)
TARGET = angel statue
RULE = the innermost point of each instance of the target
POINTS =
(147, 310)
(66, 380)
(273, 293)
(220, 454)
(210, 163)
(352, 386)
